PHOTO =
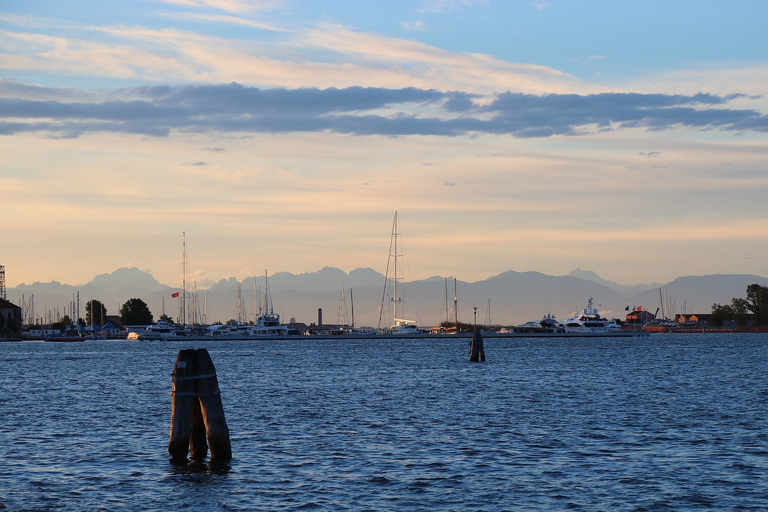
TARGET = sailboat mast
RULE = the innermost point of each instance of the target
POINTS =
(396, 297)
(455, 305)
(446, 301)
(352, 304)
(183, 277)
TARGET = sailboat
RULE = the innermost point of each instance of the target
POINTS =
(267, 321)
(401, 326)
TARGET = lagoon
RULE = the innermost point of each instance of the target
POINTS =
(664, 421)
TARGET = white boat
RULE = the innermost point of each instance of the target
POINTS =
(401, 326)
(160, 330)
(268, 324)
(228, 331)
(548, 324)
(590, 322)
(267, 321)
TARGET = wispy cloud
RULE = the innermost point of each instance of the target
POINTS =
(227, 5)
(439, 6)
(414, 25)
(234, 108)
(321, 55)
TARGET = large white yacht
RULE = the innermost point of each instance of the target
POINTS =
(590, 321)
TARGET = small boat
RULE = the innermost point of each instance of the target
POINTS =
(160, 330)
(590, 322)
(70, 334)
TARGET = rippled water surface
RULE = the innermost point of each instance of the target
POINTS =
(663, 422)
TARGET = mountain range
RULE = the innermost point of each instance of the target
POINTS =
(508, 298)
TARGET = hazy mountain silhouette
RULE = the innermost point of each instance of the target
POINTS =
(508, 298)
(624, 289)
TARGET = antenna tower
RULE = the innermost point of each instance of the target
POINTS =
(2, 282)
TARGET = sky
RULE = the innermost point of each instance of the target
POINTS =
(626, 138)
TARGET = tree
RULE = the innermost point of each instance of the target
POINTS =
(757, 303)
(98, 309)
(135, 312)
(720, 314)
(739, 309)
(62, 323)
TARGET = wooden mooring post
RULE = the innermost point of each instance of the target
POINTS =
(476, 352)
(197, 415)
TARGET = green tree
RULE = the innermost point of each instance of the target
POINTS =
(62, 323)
(740, 309)
(757, 303)
(95, 312)
(721, 314)
(135, 312)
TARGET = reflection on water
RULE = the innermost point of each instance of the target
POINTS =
(668, 421)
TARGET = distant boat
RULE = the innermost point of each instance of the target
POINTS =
(548, 324)
(228, 331)
(71, 334)
(401, 326)
(589, 322)
(160, 330)
(267, 322)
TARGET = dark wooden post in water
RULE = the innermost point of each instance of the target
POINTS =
(476, 352)
(197, 415)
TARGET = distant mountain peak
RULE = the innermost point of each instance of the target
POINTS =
(626, 290)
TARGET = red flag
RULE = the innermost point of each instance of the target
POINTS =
(175, 295)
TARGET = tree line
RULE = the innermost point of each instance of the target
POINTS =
(741, 310)
(132, 312)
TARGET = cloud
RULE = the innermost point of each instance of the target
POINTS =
(413, 25)
(447, 6)
(234, 108)
(226, 5)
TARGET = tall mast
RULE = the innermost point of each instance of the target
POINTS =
(455, 305)
(183, 277)
(395, 295)
(239, 304)
(342, 316)
(446, 301)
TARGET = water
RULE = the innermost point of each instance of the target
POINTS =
(663, 422)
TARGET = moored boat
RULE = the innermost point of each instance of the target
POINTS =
(548, 324)
(590, 322)
(160, 330)
(401, 326)
(267, 321)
